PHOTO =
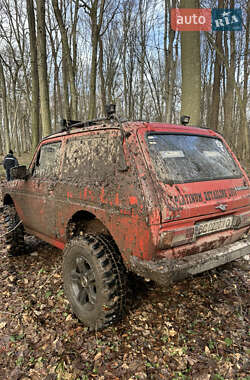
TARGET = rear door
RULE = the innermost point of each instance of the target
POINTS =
(196, 176)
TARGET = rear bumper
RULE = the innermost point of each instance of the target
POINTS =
(166, 271)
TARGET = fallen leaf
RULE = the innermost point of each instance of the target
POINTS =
(2, 324)
(172, 332)
(207, 351)
(98, 356)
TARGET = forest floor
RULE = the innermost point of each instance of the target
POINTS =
(194, 329)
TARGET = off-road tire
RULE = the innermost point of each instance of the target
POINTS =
(94, 280)
(14, 240)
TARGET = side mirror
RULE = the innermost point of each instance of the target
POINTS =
(19, 172)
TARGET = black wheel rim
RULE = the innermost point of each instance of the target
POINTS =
(84, 283)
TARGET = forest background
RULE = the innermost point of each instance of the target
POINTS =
(68, 59)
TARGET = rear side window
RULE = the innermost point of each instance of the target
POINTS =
(48, 161)
(90, 158)
(189, 158)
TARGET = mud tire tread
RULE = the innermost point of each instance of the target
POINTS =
(112, 275)
(15, 239)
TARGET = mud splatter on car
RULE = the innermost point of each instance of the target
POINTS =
(164, 201)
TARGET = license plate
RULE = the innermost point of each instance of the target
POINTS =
(214, 225)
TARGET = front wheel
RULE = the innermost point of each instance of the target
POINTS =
(94, 280)
(14, 237)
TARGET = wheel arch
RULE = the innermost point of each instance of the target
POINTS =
(7, 200)
(82, 222)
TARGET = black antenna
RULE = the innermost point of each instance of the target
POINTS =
(110, 110)
(185, 119)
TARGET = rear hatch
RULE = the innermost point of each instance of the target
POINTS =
(196, 176)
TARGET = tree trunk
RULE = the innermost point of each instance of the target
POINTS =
(93, 71)
(103, 93)
(68, 58)
(42, 68)
(65, 86)
(96, 11)
(169, 36)
(143, 10)
(229, 95)
(1, 128)
(214, 114)
(125, 23)
(74, 43)
(5, 109)
(191, 70)
(34, 75)
(244, 131)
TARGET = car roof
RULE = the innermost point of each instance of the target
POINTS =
(177, 128)
(133, 126)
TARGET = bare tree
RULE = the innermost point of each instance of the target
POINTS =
(4, 102)
(230, 53)
(169, 37)
(191, 70)
(217, 78)
(69, 65)
(34, 74)
(42, 68)
(244, 148)
(96, 10)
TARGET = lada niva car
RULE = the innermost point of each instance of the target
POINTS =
(164, 201)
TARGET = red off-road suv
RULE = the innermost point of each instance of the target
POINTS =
(164, 201)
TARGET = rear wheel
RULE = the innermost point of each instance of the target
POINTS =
(14, 238)
(94, 280)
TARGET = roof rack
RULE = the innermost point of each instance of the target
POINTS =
(67, 125)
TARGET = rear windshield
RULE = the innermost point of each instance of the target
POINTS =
(189, 158)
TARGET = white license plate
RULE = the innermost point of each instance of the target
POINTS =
(214, 225)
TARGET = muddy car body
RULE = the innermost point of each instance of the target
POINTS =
(164, 201)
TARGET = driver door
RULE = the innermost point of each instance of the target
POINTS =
(39, 211)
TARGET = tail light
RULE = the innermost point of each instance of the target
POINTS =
(242, 220)
(180, 236)
(174, 238)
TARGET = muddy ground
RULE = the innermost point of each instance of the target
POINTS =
(195, 329)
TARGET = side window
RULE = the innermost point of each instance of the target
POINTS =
(91, 158)
(77, 158)
(48, 161)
